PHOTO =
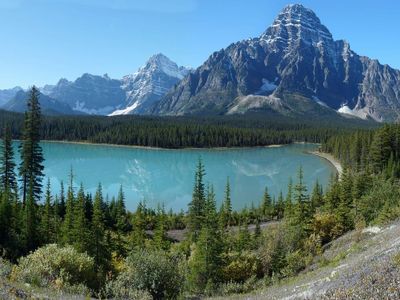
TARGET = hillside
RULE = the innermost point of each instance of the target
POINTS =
(362, 264)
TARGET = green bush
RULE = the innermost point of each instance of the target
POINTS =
(294, 263)
(239, 266)
(5, 268)
(151, 273)
(62, 268)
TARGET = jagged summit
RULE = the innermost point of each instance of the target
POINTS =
(295, 24)
(160, 62)
(152, 81)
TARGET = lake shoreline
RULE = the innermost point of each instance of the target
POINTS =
(330, 158)
(160, 148)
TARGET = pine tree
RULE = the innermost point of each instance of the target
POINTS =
(31, 167)
(5, 219)
(205, 261)
(68, 223)
(317, 197)
(61, 203)
(30, 220)
(80, 223)
(302, 212)
(380, 149)
(257, 234)
(226, 208)
(47, 218)
(8, 181)
(120, 211)
(138, 236)
(280, 207)
(160, 232)
(243, 237)
(289, 200)
(343, 210)
(98, 248)
(197, 205)
(266, 206)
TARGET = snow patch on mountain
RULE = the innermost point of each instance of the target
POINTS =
(360, 113)
(81, 107)
(316, 99)
(128, 110)
(254, 102)
(266, 87)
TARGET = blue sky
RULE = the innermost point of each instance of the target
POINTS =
(44, 40)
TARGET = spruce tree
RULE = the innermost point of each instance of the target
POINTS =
(205, 262)
(61, 203)
(30, 232)
(226, 208)
(160, 232)
(280, 206)
(289, 200)
(98, 248)
(8, 181)
(266, 206)
(197, 205)
(80, 223)
(302, 211)
(68, 223)
(138, 235)
(120, 211)
(316, 197)
(47, 218)
(31, 166)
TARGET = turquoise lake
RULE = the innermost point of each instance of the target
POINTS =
(166, 176)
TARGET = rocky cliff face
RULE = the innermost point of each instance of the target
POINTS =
(7, 94)
(89, 94)
(296, 57)
(49, 106)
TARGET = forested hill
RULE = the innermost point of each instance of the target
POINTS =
(181, 132)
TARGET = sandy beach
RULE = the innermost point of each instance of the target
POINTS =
(331, 159)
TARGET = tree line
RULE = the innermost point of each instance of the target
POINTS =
(185, 131)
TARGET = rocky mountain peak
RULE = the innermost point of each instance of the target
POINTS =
(161, 63)
(295, 24)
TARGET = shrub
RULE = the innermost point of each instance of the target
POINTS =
(62, 268)
(294, 263)
(326, 226)
(272, 252)
(396, 260)
(148, 273)
(241, 266)
(381, 204)
(5, 268)
(232, 287)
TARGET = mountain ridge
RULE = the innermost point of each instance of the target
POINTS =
(296, 55)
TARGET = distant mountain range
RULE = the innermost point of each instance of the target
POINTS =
(294, 68)
(101, 95)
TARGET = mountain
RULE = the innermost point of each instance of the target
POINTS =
(8, 94)
(294, 67)
(48, 105)
(152, 81)
(89, 94)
